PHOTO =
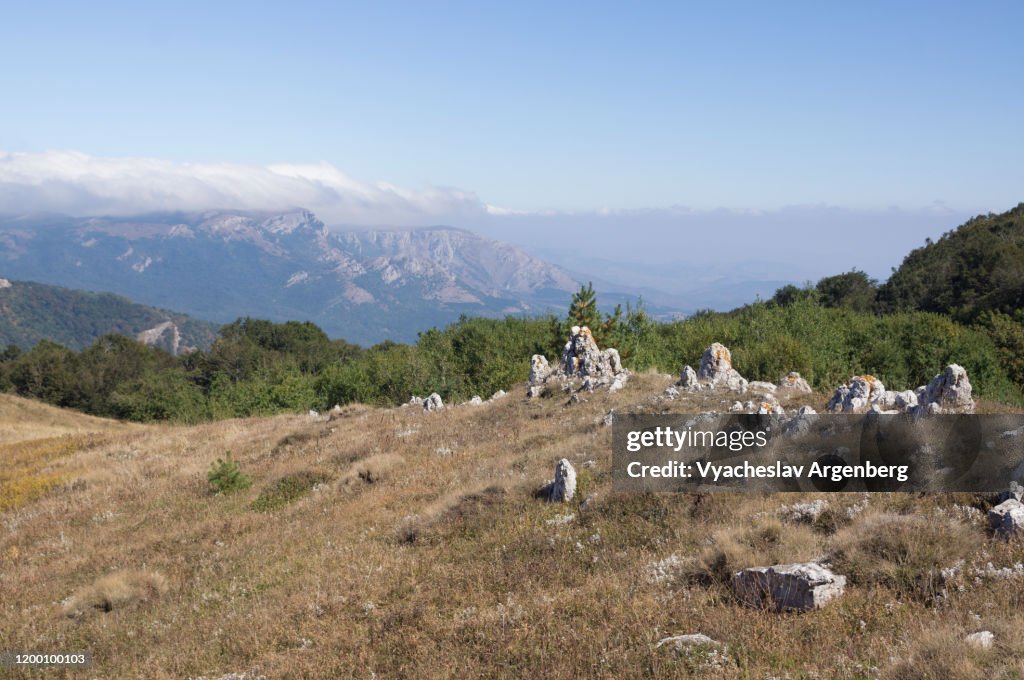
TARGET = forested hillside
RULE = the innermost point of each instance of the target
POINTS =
(30, 312)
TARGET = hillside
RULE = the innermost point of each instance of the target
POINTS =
(395, 542)
(30, 312)
(974, 268)
(363, 286)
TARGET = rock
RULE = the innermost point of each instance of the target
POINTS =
(803, 512)
(561, 520)
(609, 418)
(433, 402)
(581, 360)
(672, 392)
(500, 394)
(539, 369)
(788, 587)
(794, 383)
(716, 369)
(950, 391)
(983, 639)
(685, 642)
(475, 401)
(312, 413)
(336, 409)
(563, 487)
(857, 396)
(900, 401)
(1015, 492)
(769, 406)
(1007, 518)
(737, 407)
(761, 386)
(688, 379)
(416, 401)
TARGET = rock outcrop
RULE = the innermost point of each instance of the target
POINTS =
(1007, 518)
(715, 371)
(583, 365)
(788, 587)
(433, 402)
(794, 383)
(858, 395)
(948, 392)
(562, 488)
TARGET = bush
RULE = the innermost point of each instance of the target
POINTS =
(225, 476)
(287, 490)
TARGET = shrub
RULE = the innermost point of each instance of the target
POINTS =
(287, 489)
(225, 476)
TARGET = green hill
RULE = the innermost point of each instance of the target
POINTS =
(976, 268)
(30, 312)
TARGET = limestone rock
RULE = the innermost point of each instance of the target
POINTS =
(950, 391)
(433, 402)
(761, 386)
(716, 369)
(415, 401)
(475, 401)
(1015, 492)
(800, 424)
(858, 395)
(788, 587)
(497, 395)
(539, 369)
(1007, 518)
(563, 487)
(685, 642)
(688, 379)
(794, 383)
(983, 639)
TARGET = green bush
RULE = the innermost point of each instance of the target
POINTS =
(288, 489)
(225, 476)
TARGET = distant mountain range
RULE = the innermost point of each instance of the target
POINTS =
(364, 286)
(30, 312)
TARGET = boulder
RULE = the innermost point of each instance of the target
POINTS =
(688, 379)
(761, 386)
(539, 369)
(794, 383)
(1015, 492)
(682, 643)
(563, 487)
(858, 395)
(500, 394)
(475, 401)
(949, 391)
(788, 587)
(716, 369)
(433, 402)
(415, 401)
(1007, 518)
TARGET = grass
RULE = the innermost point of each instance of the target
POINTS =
(423, 553)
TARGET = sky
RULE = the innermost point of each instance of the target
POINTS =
(510, 117)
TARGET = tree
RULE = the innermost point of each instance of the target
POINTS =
(854, 289)
(583, 311)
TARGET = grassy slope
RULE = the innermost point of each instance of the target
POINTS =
(410, 562)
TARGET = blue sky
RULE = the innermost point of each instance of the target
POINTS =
(530, 106)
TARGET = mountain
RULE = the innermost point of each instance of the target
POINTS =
(30, 312)
(364, 286)
(975, 268)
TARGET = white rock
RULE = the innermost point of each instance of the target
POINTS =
(788, 587)
(858, 395)
(433, 402)
(761, 386)
(794, 383)
(312, 413)
(475, 401)
(688, 379)
(803, 512)
(609, 418)
(563, 487)
(500, 394)
(1015, 492)
(983, 639)
(684, 642)
(336, 409)
(950, 391)
(737, 407)
(539, 369)
(716, 369)
(1007, 518)
(416, 401)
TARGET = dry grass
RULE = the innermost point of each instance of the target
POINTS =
(118, 590)
(426, 555)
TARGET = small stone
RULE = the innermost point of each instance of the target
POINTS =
(684, 642)
(983, 639)
(563, 488)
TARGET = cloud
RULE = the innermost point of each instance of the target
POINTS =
(79, 184)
